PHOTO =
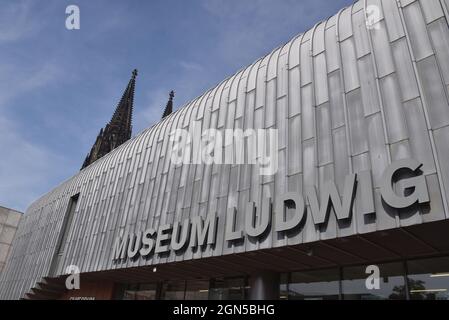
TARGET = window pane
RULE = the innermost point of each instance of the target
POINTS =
(357, 284)
(129, 291)
(429, 279)
(173, 290)
(129, 295)
(140, 292)
(146, 292)
(197, 290)
(283, 293)
(227, 289)
(314, 285)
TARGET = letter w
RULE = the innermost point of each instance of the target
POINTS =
(330, 198)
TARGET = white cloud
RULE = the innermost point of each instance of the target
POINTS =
(152, 112)
(249, 29)
(190, 66)
(26, 169)
(17, 21)
(16, 81)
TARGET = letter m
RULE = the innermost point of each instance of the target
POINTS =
(200, 230)
(120, 247)
(330, 198)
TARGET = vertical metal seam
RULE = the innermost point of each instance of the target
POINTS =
(314, 106)
(203, 165)
(406, 282)
(445, 9)
(207, 172)
(314, 114)
(376, 77)
(218, 175)
(275, 242)
(192, 171)
(328, 86)
(243, 117)
(343, 91)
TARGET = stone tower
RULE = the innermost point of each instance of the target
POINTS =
(118, 130)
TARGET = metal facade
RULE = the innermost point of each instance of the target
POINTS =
(9, 221)
(344, 98)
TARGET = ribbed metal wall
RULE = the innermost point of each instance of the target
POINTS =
(344, 98)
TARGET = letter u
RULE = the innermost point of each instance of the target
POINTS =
(178, 244)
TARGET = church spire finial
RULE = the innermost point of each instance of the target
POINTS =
(169, 107)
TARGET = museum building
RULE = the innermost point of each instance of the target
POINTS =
(359, 194)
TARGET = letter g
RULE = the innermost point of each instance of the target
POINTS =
(420, 193)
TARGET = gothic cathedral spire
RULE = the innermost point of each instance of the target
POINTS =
(118, 130)
(169, 107)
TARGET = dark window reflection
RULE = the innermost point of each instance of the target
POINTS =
(197, 290)
(314, 285)
(428, 279)
(147, 292)
(391, 283)
(283, 290)
(173, 290)
(228, 289)
(140, 292)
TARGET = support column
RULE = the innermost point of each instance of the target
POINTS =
(264, 286)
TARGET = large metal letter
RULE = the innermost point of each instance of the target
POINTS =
(420, 193)
(258, 220)
(282, 224)
(134, 244)
(178, 242)
(199, 232)
(147, 242)
(120, 247)
(331, 198)
(163, 234)
(232, 234)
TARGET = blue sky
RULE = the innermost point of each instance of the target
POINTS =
(59, 87)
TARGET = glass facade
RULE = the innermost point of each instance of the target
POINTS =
(228, 289)
(173, 290)
(213, 289)
(419, 279)
(391, 283)
(314, 285)
(145, 291)
(197, 290)
(428, 279)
